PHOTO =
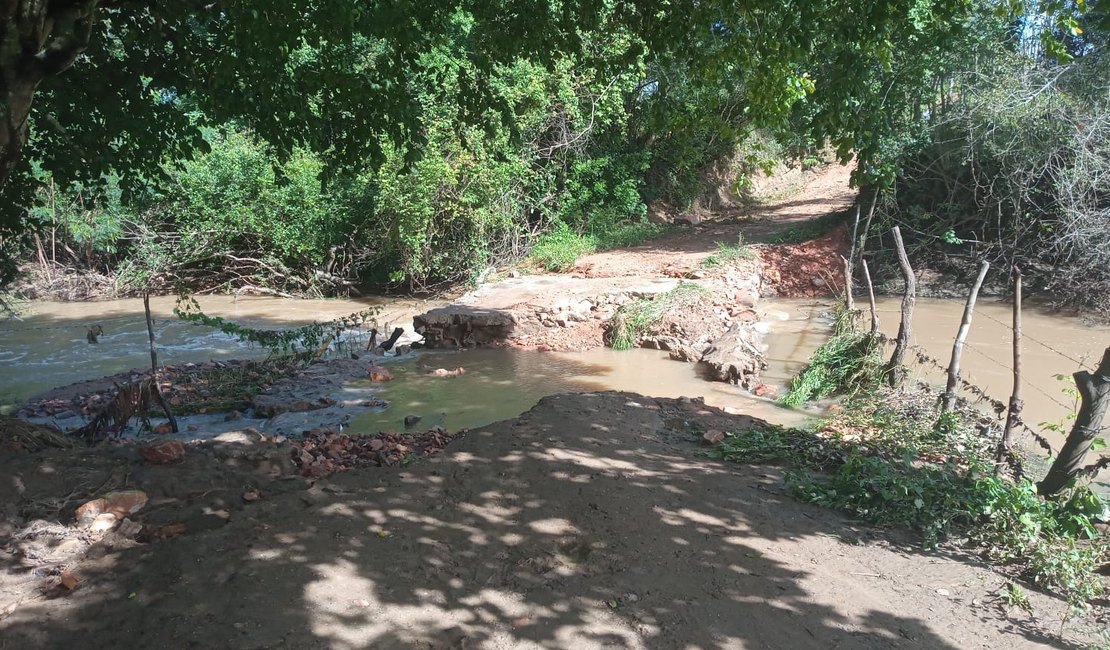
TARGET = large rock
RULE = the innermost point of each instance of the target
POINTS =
(460, 326)
(734, 357)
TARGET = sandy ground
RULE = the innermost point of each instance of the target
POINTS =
(589, 522)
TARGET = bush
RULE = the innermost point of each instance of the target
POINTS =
(1018, 171)
(558, 249)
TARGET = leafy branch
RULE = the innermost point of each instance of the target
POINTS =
(288, 342)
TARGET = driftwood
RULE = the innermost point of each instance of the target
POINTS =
(1094, 393)
(948, 400)
(388, 344)
(895, 368)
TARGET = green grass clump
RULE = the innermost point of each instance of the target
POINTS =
(846, 363)
(639, 316)
(726, 253)
(560, 248)
(627, 234)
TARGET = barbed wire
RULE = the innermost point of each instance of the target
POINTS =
(998, 406)
(1050, 396)
(1025, 336)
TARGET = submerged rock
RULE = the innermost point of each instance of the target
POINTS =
(734, 358)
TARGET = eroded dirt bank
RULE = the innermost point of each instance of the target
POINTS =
(587, 522)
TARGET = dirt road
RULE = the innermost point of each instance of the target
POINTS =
(589, 522)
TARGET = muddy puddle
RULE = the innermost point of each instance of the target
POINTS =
(500, 383)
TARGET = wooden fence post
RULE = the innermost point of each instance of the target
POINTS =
(850, 262)
(871, 299)
(849, 302)
(1013, 413)
(1094, 393)
(154, 365)
(895, 368)
(949, 398)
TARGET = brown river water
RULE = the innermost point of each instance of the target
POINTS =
(48, 349)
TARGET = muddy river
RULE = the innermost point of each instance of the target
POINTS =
(48, 348)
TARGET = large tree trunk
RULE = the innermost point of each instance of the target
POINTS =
(1094, 393)
(38, 38)
(895, 368)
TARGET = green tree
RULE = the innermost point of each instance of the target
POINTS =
(94, 86)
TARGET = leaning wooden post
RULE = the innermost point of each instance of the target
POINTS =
(1013, 414)
(849, 303)
(154, 365)
(849, 264)
(1094, 393)
(895, 368)
(949, 398)
(871, 299)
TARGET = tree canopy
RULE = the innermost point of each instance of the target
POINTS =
(94, 89)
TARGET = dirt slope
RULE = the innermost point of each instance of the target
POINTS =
(588, 522)
(827, 192)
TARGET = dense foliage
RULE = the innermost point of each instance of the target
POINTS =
(420, 142)
(1017, 171)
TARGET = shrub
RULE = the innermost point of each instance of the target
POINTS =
(558, 249)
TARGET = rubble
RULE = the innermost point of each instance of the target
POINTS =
(323, 452)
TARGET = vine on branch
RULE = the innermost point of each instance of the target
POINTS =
(298, 341)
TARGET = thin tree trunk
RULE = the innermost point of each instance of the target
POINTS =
(896, 371)
(871, 299)
(42, 257)
(154, 365)
(1013, 414)
(1094, 393)
(862, 242)
(949, 398)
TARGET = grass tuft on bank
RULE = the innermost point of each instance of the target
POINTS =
(727, 253)
(639, 316)
(848, 362)
(560, 248)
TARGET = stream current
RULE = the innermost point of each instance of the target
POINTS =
(48, 348)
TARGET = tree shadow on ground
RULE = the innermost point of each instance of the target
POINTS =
(584, 523)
